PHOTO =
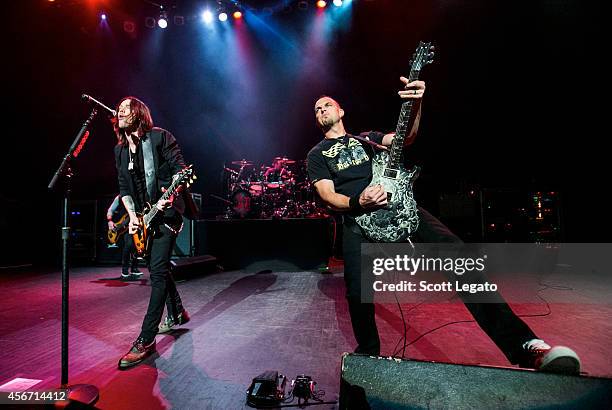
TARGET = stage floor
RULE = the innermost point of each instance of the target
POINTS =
(243, 323)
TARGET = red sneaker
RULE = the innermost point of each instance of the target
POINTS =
(558, 359)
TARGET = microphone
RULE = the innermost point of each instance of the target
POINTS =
(90, 100)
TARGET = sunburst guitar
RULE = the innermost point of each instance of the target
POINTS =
(183, 178)
(121, 227)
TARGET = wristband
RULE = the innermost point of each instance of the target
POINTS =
(354, 204)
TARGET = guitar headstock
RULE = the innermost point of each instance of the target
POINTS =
(185, 177)
(423, 55)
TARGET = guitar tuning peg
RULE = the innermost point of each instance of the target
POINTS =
(195, 177)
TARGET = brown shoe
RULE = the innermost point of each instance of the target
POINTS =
(137, 353)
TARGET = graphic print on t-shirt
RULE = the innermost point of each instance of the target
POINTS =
(343, 156)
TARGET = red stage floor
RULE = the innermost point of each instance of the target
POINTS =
(242, 324)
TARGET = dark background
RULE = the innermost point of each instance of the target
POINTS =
(512, 97)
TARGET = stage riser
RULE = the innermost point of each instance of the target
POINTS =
(284, 244)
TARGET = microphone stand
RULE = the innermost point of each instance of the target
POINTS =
(81, 393)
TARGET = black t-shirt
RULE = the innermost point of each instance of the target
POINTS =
(345, 160)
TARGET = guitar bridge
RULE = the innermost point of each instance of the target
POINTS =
(390, 173)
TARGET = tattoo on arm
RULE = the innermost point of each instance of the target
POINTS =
(128, 202)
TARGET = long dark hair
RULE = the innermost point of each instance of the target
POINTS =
(142, 119)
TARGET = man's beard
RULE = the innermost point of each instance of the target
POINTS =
(326, 124)
(129, 127)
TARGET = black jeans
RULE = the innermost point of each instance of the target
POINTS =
(163, 288)
(128, 259)
(498, 321)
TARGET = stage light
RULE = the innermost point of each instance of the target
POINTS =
(129, 26)
(237, 15)
(207, 17)
(222, 16)
(321, 4)
(162, 22)
(103, 16)
(337, 3)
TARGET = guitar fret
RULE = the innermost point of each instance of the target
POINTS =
(398, 221)
(149, 216)
(397, 146)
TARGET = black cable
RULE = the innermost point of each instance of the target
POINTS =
(437, 328)
(406, 328)
(549, 311)
(404, 337)
(399, 307)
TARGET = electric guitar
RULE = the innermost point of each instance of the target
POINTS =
(142, 237)
(121, 226)
(398, 219)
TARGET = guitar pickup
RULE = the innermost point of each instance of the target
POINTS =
(390, 173)
(389, 196)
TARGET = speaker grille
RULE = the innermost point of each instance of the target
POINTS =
(382, 383)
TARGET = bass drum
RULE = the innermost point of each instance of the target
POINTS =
(243, 205)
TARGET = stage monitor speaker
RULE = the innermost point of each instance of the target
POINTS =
(184, 245)
(193, 266)
(83, 230)
(185, 241)
(385, 383)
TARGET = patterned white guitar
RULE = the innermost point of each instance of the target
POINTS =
(396, 221)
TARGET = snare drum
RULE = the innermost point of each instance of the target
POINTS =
(274, 185)
(256, 188)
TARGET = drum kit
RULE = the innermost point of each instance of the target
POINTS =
(281, 190)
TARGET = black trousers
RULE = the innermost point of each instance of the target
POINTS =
(128, 259)
(163, 287)
(498, 321)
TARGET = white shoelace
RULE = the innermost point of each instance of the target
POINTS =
(535, 345)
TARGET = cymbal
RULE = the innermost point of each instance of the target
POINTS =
(284, 160)
(243, 162)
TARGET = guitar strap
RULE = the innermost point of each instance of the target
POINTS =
(149, 166)
(150, 177)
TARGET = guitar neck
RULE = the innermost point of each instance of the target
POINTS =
(148, 217)
(397, 147)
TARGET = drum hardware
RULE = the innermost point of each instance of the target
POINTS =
(242, 163)
(279, 191)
